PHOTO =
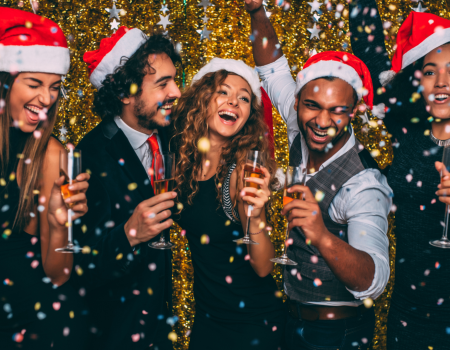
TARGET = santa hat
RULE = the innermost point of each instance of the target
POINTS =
(344, 66)
(252, 78)
(31, 43)
(233, 66)
(419, 34)
(124, 43)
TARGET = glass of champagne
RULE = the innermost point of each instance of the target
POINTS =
(252, 168)
(444, 242)
(294, 176)
(70, 168)
(163, 181)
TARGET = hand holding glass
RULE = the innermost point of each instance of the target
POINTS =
(252, 168)
(294, 176)
(164, 181)
(70, 168)
(444, 242)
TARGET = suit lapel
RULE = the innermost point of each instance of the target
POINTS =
(120, 150)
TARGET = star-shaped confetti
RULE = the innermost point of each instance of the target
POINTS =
(316, 18)
(113, 12)
(315, 5)
(204, 33)
(114, 24)
(419, 8)
(164, 8)
(63, 130)
(205, 19)
(314, 32)
(205, 4)
(164, 21)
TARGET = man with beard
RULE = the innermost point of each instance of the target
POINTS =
(127, 283)
(338, 229)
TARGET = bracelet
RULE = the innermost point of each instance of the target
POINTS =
(256, 233)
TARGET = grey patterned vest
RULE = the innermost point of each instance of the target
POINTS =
(329, 180)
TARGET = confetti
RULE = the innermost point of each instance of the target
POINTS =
(228, 279)
(132, 186)
(317, 282)
(172, 336)
(56, 305)
(204, 239)
(368, 303)
(203, 145)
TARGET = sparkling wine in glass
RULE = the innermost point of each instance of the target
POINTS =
(252, 168)
(294, 176)
(70, 168)
(164, 181)
(444, 242)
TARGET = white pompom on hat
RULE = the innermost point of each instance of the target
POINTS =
(233, 66)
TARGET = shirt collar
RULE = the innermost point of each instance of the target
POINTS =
(348, 145)
(135, 137)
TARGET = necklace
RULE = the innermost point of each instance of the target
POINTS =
(438, 142)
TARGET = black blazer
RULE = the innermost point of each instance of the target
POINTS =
(128, 290)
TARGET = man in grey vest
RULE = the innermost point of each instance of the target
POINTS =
(339, 230)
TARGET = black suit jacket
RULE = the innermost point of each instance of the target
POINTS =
(128, 290)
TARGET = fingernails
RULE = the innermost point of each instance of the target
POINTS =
(71, 187)
(67, 200)
(174, 194)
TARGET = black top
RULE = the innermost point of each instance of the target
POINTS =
(422, 272)
(225, 285)
(22, 277)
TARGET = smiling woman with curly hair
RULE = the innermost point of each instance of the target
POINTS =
(234, 292)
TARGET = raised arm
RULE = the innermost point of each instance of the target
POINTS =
(263, 52)
(367, 39)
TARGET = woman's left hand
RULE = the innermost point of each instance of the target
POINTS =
(259, 197)
(57, 209)
(444, 186)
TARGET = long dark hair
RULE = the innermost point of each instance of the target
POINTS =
(107, 100)
(35, 148)
(190, 124)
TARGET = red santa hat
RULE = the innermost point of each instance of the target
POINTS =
(251, 76)
(31, 43)
(234, 66)
(344, 66)
(124, 43)
(419, 34)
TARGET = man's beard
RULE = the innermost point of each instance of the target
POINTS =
(309, 143)
(146, 119)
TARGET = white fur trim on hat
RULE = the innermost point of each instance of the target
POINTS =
(234, 66)
(440, 37)
(125, 47)
(330, 69)
(34, 58)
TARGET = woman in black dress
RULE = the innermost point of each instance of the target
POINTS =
(419, 316)
(37, 310)
(238, 305)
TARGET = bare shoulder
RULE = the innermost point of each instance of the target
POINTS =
(51, 161)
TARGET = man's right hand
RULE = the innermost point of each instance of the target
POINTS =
(148, 218)
(252, 5)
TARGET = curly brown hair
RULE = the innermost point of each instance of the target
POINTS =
(190, 124)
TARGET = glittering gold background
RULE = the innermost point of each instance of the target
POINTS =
(86, 22)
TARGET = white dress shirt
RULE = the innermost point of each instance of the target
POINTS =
(363, 202)
(138, 141)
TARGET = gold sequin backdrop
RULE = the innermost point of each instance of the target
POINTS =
(86, 22)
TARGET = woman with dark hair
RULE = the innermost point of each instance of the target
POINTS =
(418, 117)
(38, 311)
(238, 305)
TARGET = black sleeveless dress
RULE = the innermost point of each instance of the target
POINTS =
(34, 314)
(235, 308)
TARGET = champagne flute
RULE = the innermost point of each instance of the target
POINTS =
(252, 168)
(164, 181)
(293, 177)
(70, 168)
(444, 242)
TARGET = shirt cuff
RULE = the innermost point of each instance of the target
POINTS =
(379, 282)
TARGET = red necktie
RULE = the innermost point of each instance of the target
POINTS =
(154, 148)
